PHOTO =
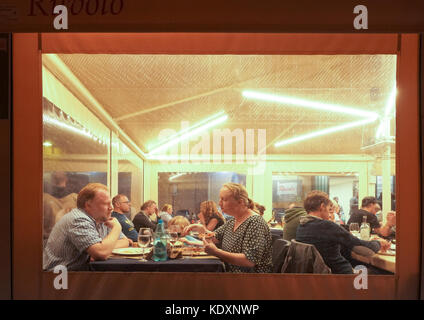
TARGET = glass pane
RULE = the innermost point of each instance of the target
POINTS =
(130, 177)
(186, 190)
(72, 158)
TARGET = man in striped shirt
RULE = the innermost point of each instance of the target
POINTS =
(86, 231)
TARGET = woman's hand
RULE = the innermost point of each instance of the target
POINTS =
(210, 247)
(190, 227)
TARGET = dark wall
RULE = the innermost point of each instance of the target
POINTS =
(5, 127)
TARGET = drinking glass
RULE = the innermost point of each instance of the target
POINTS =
(173, 236)
(144, 238)
(354, 229)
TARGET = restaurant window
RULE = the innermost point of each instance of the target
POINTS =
(289, 123)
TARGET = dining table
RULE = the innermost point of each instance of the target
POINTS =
(379, 260)
(384, 260)
(120, 263)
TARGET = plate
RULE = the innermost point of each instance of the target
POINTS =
(388, 253)
(194, 254)
(128, 251)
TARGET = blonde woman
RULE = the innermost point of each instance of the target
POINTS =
(178, 224)
(209, 215)
(245, 241)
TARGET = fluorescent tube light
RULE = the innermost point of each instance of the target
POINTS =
(47, 144)
(308, 104)
(323, 132)
(176, 176)
(186, 135)
(56, 122)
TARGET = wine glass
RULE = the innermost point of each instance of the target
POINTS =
(354, 229)
(144, 238)
(173, 237)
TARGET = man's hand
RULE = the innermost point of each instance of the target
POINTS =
(391, 218)
(384, 245)
(113, 223)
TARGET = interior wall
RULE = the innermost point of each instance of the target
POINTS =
(342, 187)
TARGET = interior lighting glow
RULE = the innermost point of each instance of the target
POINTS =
(184, 135)
(176, 176)
(324, 132)
(390, 104)
(308, 104)
(383, 130)
(47, 144)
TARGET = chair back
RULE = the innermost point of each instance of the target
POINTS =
(280, 247)
(304, 258)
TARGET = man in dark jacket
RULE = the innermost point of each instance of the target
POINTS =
(328, 237)
(369, 208)
(142, 219)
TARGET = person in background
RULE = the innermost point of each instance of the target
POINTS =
(245, 242)
(142, 219)
(328, 237)
(155, 216)
(178, 224)
(86, 232)
(340, 211)
(291, 219)
(121, 206)
(260, 209)
(369, 208)
(166, 214)
(209, 215)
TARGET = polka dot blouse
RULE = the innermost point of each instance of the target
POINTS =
(253, 238)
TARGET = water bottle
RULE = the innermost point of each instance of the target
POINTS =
(365, 229)
(160, 243)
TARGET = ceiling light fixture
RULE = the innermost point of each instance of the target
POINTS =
(71, 128)
(308, 104)
(47, 144)
(176, 176)
(324, 132)
(184, 134)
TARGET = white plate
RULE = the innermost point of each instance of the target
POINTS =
(128, 251)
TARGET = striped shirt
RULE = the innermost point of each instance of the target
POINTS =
(70, 238)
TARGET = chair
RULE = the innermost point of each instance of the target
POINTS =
(304, 258)
(280, 248)
(276, 234)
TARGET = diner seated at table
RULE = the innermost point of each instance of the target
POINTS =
(209, 215)
(178, 224)
(291, 219)
(328, 237)
(166, 214)
(142, 219)
(86, 232)
(369, 208)
(121, 206)
(244, 243)
(258, 208)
